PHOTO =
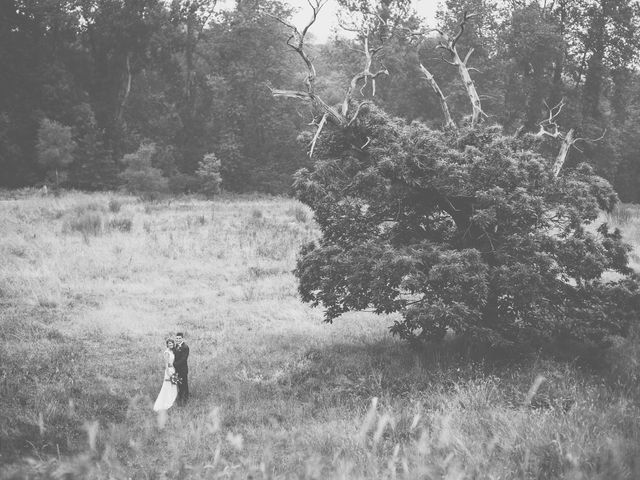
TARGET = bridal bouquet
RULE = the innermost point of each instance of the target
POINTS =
(175, 379)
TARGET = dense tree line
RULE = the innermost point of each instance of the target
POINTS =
(105, 77)
(117, 74)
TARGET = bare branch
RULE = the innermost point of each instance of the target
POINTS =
(348, 28)
(466, 58)
(591, 140)
(551, 122)
(449, 123)
(322, 110)
(549, 127)
(448, 61)
(465, 18)
(355, 115)
(561, 158)
(317, 134)
(291, 94)
(286, 24)
(449, 44)
(316, 5)
(365, 75)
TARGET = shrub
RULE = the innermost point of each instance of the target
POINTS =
(140, 177)
(55, 148)
(89, 207)
(114, 205)
(122, 224)
(89, 223)
(209, 174)
(256, 213)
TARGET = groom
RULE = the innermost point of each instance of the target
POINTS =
(182, 369)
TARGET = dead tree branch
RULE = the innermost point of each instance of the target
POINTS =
(549, 128)
(337, 115)
(551, 121)
(448, 121)
(365, 75)
(448, 44)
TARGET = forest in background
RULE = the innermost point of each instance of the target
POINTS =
(85, 83)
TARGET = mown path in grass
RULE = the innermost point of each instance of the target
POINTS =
(275, 392)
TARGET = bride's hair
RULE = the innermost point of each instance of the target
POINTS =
(170, 340)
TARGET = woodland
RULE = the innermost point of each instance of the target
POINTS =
(85, 83)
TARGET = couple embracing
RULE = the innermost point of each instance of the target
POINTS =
(175, 386)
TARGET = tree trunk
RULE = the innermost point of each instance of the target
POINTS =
(562, 154)
(472, 93)
(595, 65)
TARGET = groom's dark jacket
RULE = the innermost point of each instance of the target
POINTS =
(180, 361)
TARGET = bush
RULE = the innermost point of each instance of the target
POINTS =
(92, 206)
(114, 205)
(209, 174)
(89, 223)
(140, 177)
(55, 148)
(256, 213)
(122, 224)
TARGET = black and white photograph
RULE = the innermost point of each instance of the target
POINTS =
(320, 239)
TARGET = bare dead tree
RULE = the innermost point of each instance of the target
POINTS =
(322, 111)
(549, 128)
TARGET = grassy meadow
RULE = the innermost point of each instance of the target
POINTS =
(92, 284)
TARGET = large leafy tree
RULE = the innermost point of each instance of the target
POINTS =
(466, 229)
(469, 232)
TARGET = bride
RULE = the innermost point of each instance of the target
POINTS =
(169, 390)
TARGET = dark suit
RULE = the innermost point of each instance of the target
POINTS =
(182, 369)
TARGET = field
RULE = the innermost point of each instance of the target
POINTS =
(92, 284)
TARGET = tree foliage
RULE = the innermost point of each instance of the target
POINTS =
(469, 232)
(139, 176)
(55, 147)
(209, 173)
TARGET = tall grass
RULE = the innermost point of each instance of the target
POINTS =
(626, 217)
(276, 393)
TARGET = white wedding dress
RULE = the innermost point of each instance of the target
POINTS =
(169, 391)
